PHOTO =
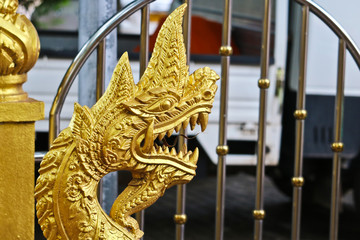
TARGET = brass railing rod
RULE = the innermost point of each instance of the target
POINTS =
(180, 217)
(79, 60)
(100, 70)
(144, 57)
(337, 146)
(335, 27)
(263, 83)
(100, 86)
(300, 115)
(222, 149)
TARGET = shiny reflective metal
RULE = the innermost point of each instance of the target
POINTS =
(144, 58)
(337, 146)
(100, 73)
(79, 60)
(221, 168)
(300, 115)
(181, 188)
(261, 144)
(345, 42)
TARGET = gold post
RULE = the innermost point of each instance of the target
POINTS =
(300, 115)
(19, 50)
(180, 217)
(263, 83)
(337, 147)
(144, 57)
(222, 149)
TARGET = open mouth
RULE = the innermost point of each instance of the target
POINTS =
(150, 149)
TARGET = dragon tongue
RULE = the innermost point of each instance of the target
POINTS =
(149, 138)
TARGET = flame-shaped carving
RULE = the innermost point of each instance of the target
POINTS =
(118, 133)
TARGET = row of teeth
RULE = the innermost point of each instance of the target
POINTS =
(199, 118)
(189, 156)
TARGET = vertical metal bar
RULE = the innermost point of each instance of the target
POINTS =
(337, 146)
(180, 217)
(100, 71)
(100, 86)
(222, 149)
(144, 57)
(264, 83)
(300, 115)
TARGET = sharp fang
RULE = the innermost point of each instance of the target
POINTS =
(184, 148)
(166, 151)
(149, 138)
(185, 123)
(193, 120)
(177, 128)
(203, 118)
(153, 151)
(194, 156)
(161, 136)
(169, 132)
(155, 136)
(180, 155)
(160, 150)
(173, 152)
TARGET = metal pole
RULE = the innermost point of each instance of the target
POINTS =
(100, 71)
(144, 57)
(263, 83)
(300, 115)
(180, 217)
(222, 149)
(337, 146)
(100, 86)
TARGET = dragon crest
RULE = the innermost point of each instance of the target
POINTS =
(118, 133)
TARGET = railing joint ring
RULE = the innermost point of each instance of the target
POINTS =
(264, 83)
(180, 218)
(226, 50)
(222, 150)
(259, 214)
(337, 147)
(300, 114)
(297, 181)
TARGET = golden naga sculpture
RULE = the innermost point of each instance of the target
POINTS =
(19, 50)
(118, 133)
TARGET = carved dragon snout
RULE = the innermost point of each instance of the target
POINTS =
(119, 133)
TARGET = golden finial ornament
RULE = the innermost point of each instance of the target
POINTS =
(118, 133)
(19, 51)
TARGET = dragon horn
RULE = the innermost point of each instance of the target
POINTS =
(167, 67)
(121, 87)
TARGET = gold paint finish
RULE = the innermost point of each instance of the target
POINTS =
(180, 218)
(337, 147)
(259, 214)
(19, 50)
(300, 114)
(222, 150)
(118, 133)
(264, 83)
(226, 51)
(297, 181)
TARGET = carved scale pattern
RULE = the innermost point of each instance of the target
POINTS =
(118, 133)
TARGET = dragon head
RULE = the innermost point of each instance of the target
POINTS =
(119, 131)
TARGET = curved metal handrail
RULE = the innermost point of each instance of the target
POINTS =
(335, 27)
(81, 57)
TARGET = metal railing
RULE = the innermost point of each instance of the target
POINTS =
(97, 41)
(345, 42)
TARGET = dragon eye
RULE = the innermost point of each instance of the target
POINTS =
(162, 105)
